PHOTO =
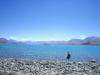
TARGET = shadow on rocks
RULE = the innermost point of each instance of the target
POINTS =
(5, 73)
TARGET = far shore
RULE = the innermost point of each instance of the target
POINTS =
(57, 44)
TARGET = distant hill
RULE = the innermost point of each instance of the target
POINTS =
(87, 41)
(91, 41)
(74, 41)
(6, 41)
(3, 40)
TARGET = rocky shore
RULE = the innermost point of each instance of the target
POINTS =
(44, 67)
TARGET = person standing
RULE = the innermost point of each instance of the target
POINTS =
(68, 56)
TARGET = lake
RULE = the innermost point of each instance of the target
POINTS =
(51, 52)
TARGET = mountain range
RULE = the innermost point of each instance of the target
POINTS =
(94, 40)
(87, 41)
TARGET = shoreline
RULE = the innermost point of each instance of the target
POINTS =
(13, 66)
(53, 58)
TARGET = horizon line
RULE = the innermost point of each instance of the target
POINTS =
(24, 40)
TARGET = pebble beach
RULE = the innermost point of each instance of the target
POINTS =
(45, 67)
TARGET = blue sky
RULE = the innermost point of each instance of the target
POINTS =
(49, 19)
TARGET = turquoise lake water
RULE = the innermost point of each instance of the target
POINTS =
(50, 52)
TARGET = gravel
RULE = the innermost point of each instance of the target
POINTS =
(44, 67)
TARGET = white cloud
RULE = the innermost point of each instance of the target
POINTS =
(52, 39)
(82, 37)
(18, 39)
(24, 39)
(69, 37)
(13, 38)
